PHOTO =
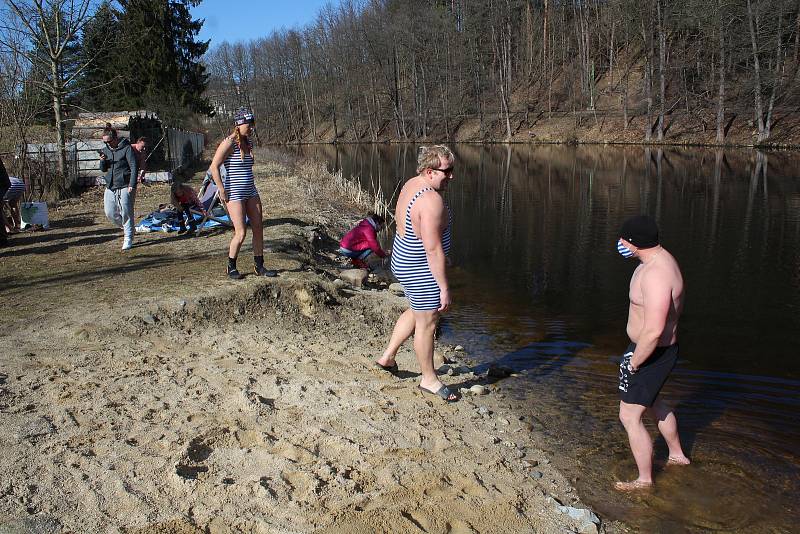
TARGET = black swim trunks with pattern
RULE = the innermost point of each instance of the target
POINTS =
(643, 386)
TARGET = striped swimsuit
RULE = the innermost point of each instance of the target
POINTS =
(239, 182)
(410, 263)
(16, 190)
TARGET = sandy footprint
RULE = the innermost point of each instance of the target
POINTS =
(301, 485)
(456, 526)
(420, 520)
(470, 484)
(294, 453)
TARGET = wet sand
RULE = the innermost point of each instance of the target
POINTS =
(145, 392)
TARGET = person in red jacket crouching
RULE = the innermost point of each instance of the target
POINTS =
(362, 241)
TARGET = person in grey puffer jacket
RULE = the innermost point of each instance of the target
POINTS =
(118, 161)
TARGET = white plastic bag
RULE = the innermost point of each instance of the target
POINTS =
(34, 213)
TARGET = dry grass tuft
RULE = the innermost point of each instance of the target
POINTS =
(321, 183)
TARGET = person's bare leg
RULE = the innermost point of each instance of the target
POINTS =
(423, 347)
(668, 426)
(236, 211)
(641, 445)
(16, 217)
(403, 329)
(254, 212)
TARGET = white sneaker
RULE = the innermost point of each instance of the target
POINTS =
(127, 243)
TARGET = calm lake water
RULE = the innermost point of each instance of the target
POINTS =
(538, 286)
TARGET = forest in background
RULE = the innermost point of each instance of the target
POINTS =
(685, 71)
(635, 71)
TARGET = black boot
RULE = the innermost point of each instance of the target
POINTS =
(233, 273)
(261, 270)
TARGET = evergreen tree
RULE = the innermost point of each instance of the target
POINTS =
(146, 57)
(100, 86)
(161, 60)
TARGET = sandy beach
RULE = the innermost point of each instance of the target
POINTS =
(145, 392)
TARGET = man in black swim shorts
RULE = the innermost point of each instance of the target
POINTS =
(656, 302)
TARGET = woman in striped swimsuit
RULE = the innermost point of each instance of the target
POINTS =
(418, 261)
(239, 192)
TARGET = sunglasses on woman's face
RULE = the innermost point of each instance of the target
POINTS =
(447, 172)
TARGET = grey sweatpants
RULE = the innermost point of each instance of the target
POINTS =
(118, 205)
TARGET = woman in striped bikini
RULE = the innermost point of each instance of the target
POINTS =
(418, 262)
(239, 192)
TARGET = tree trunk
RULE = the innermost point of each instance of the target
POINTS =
(503, 85)
(662, 59)
(611, 55)
(307, 104)
(648, 84)
(376, 107)
(397, 100)
(625, 104)
(777, 78)
(313, 112)
(59, 117)
(353, 121)
(369, 119)
(545, 34)
(529, 47)
(721, 95)
(425, 106)
(797, 35)
(549, 58)
(417, 100)
(758, 108)
(335, 125)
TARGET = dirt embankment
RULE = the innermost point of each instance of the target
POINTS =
(144, 392)
(697, 128)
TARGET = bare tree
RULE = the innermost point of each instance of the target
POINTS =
(753, 20)
(17, 108)
(42, 30)
(722, 30)
(661, 16)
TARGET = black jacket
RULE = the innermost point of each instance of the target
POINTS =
(119, 165)
(5, 182)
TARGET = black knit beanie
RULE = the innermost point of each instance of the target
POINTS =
(641, 231)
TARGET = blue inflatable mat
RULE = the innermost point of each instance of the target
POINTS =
(170, 221)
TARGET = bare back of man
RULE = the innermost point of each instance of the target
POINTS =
(656, 295)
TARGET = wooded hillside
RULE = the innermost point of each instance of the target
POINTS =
(615, 70)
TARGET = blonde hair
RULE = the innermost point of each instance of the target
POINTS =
(237, 138)
(428, 157)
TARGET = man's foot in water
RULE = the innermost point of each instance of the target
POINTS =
(678, 460)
